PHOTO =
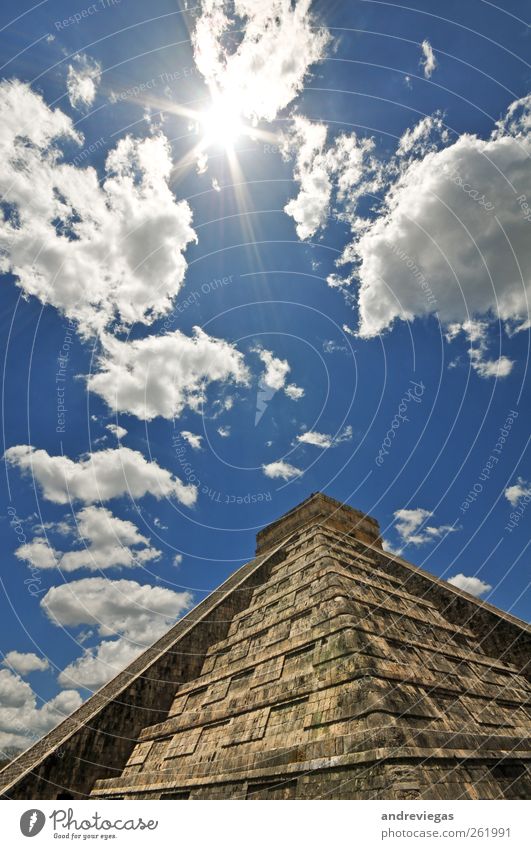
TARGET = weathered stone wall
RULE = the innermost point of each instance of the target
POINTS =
(501, 635)
(319, 508)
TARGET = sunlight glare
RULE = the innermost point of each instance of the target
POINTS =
(221, 123)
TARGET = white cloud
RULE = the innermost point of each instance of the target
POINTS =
(428, 62)
(224, 431)
(264, 72)
(25, 662)
(517, 119)
(22, 722)
(177, 560)
(344, 171)
(161, 375)
(82, 81)
(193, 439)
(451, 233)
(276, 370)
(411, 527)
(294, 392)
(38, 553)
(388, 546)
(476, 333)
(98, 251)
(202, 163)
(330, 346)
(273, 379)
(98, 476)
(275, 374)
(136, 614)
(521, 489)
(98, 665)
(434, 226)
(117, 430)
(280, 469)
(429, 134)
(469, 584)
(120, 607)
(451, 238)
(325, 440)
(106, 541)
(311, 206)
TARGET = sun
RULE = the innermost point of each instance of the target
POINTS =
(221, 123)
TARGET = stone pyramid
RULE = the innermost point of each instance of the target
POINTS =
(324, 668)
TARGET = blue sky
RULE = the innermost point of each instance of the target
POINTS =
(336, 199)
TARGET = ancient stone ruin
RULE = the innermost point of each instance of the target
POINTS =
(325, 668)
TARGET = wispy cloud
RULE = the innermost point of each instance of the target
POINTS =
(428, 61)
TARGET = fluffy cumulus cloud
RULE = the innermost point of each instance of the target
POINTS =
(117, 430)
(476, 333)
(276, 370)
(428, 61)
(310, 207)
(412, 528)
(517, 491)
(272, 379)
(193, 439)
(98, 665)
(437, 222)
(294, 392)
(25, 662)
(281, 469)
(275, 374)
(260, 71)
(470, 584)
(82, 81)
(161, 375)
(97, 251)
(23, 718)
(450, 237)
(130, 614)
(98, 476)
(324, 440)
(340, 173)
(103, 542)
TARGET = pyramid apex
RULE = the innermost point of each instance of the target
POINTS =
(322, 509)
